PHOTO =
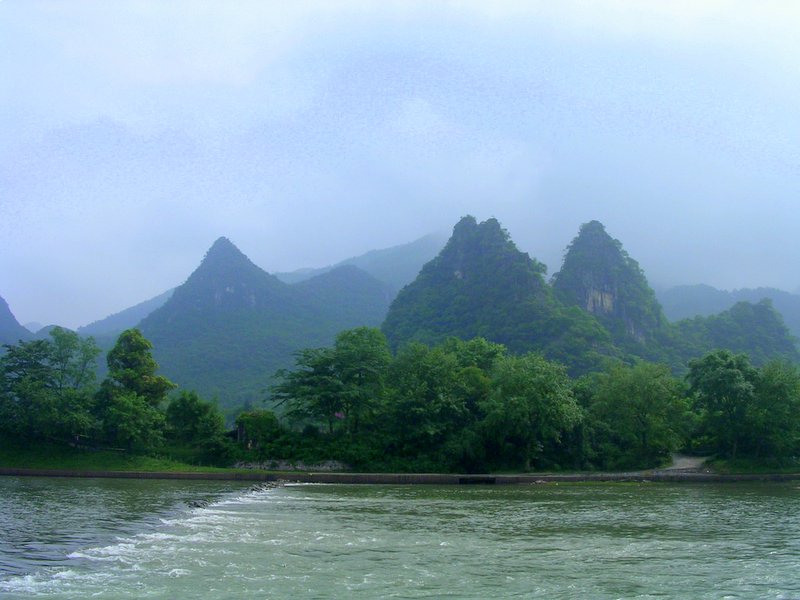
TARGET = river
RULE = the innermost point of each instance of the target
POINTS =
(68, 538)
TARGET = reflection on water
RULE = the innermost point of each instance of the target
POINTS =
(112, 539)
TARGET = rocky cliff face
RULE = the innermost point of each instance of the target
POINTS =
(599, 276)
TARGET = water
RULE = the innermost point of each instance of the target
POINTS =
(140, 539)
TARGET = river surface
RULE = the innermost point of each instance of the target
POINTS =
(73, 538)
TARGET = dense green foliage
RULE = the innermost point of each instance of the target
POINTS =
(231, 324)
(481, 285)
(689, 301)
(634, 415)
(600, 307)
(47, 388)
(48, 394)
(458, 406)
(471, 406)
(745, 411)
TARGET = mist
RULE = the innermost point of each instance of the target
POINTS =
(136, 133)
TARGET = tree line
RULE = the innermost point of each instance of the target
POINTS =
(457, 406)
(49, 393)
(473, 406)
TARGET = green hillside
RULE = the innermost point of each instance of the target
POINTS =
(481, 285)
(231, 325)
(688, 301)
(600, 306)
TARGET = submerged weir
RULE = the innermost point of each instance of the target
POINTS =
(127, 538)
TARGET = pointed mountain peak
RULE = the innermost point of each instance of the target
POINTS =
(473, 244)
(465, 224)
(223, 244)
(477, 285)
(223, 249)
(592, 228)
(225, 261)
(225, 279)
(468, 227)
(599, 276)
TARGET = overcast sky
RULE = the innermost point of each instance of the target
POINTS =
(136, 133)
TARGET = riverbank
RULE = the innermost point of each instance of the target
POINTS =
(411, 478)
(46, 461)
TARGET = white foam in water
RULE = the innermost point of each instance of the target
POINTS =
(51, 583)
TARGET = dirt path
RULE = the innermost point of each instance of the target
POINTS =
(681, 462)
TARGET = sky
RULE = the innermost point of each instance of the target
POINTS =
(135, 133)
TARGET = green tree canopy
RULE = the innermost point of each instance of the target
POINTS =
(724, 385)
(46, 386)
(531, 404)
(639, 415)
(130, 397)
(131, 367)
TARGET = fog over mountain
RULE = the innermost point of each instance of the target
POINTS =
(137, 133)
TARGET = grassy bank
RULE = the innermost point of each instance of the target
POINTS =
(51, 456)
(739, 466)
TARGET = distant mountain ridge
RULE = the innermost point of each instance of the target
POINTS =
(688, 301)
(125, 319)
(396, 266)
(11, 331)
(231, 325)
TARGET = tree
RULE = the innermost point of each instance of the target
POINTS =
(47, 386)
(775, 426)
(639, 415)
(361, 356)
(723, 385)
(131, 367)
(130, 397)
(342, 383)
(130, 421)
(257, 428)
(191, 420)
(423, 402)
(531, 403)
(313, 391)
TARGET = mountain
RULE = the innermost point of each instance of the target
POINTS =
(480, 284)
(599, 276)
(754, 329)
(125, 319)
(231, 325)
(11, 331)
(600, 306)
(687, 301)
(396, 266)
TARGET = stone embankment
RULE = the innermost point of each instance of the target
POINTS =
(683, 469)
(416, 478)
